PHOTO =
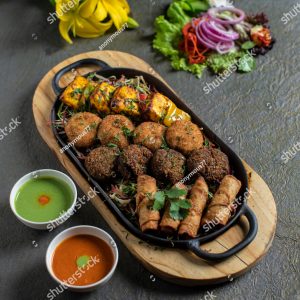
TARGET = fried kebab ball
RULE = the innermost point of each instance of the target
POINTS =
(211, 163)
(125, 100)
(133, 161)
(82, 129)
(168, 165)
(184, 136)
(150, 135)
(100, 162)
(115, 130)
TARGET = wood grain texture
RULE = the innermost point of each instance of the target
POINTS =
(177, 266)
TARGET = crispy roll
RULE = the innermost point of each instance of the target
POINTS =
(219, 211)
(168, 225)
(72, 94)
(146, 188)
(198, 198)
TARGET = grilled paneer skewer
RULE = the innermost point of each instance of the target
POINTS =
(146, 188)
(125, 100)
(72, 94)
(101, 97)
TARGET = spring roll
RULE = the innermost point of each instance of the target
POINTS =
(146, 188)
(219, 211)
(198, 199)
(168, 225)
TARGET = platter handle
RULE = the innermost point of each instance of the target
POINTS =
(194, 246)
(80, 63)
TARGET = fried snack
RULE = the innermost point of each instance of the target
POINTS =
(81, 129)
(156, 107)
(159, 108)
(150, 135)
(184, 136)
(125, 101)
(168, 225)
(101, 97)
(146, 188)
(219, 211)
(114, 130)
(87, 92)
(100, 162)
(72, 94)
(198, 199)
(175, 114)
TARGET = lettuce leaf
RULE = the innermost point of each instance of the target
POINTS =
(242, 61)
(169, 34)
(181, 64)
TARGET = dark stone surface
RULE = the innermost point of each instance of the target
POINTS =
(257, 113)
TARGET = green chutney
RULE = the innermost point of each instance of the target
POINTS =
(43, 199)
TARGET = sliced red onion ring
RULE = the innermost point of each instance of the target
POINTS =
(223, 48)
(213, 11)
(213, 40)
(218, 34)
(228, 32)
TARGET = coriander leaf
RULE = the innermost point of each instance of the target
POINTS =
(248, 45)
(176, 212)
(246, 63)
(111, 145)
(184, 204)
(159, 200)
(183, 213)
(175, 193)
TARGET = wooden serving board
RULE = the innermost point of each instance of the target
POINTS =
(177, 266)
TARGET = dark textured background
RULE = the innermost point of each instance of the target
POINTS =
(258, 114)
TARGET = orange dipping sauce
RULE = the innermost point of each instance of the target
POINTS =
(82, 260)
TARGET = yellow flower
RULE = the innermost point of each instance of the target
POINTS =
(89, 18)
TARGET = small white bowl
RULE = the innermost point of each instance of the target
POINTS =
(49, 225)
(82, 230)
